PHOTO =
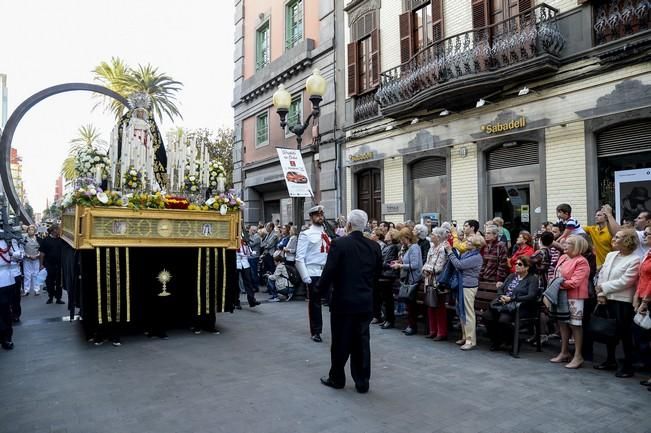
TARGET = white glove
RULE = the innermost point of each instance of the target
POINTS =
(307, 280)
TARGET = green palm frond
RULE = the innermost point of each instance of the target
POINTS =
(112, 75)
(88, 136)
(68, 168)
(119, 77)
(161, 88)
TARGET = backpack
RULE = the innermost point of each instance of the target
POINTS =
(294, 277)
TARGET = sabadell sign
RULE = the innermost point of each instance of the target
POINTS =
(493, 128)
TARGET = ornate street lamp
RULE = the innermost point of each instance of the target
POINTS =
(315, 87)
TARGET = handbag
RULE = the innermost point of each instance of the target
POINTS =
(643, 320)
(431, 296)
(602, 326)
(509, 307)
(407, 292)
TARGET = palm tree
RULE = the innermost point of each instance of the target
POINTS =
(112, 75)
(88, 136)
(124, 80)
(160, 87)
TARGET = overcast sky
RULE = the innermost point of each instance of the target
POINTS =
(45, 42)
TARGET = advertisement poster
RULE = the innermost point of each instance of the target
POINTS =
(298, 183)
(632, 189)
(430, 219)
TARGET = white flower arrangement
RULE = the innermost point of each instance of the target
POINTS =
(88, 159)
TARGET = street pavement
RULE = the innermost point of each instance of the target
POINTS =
(262, 375)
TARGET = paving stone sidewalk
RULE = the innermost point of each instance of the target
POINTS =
(262, 375)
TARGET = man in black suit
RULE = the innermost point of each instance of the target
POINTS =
(352, 270)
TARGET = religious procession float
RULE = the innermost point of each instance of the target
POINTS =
(152, 230)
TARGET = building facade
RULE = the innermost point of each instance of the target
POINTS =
(459, 109)
(16, 164)
(281, 42)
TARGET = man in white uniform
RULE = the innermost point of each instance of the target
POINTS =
(311, 254)
(9, 255)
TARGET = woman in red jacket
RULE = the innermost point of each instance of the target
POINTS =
(642, 297)
(575, 270)
(525, 248)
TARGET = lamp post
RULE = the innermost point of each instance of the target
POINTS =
(315, 87)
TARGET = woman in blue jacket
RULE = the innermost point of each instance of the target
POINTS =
(469, 264)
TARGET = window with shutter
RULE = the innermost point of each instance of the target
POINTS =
(479, 13)
(352, 69)
(406, 47)
(364, 64)
(375, 58)
(437, 20)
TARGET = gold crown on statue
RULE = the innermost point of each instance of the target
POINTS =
(139, 100)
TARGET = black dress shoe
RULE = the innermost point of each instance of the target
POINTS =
(645, 382)
(440, 338)
(49, 301)
(317, 338)
(60, 302)
(376, 321)
(409, 331)
(362, 388)
(608, 366)
(238, 307)
(387, 325)
(328, 382)
(624, 373)
(8, 345)
(254, 303)
(495, 347)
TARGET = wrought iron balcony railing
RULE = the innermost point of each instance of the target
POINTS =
(366, 107)
(518, 39)
(616, 19)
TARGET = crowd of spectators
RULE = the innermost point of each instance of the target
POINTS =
(567, 273)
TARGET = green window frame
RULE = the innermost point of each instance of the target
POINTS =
(293, 23)
(261, 129)
(295, 114)
(262, 47)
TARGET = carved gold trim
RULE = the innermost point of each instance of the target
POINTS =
(216, 279)
(98, 269)
(92, 227)
(128, 283)
(118, 317)
(224, 279)
(207, 304)
(109, 312)
(199, 282)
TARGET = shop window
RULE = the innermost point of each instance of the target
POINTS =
(262, 48)
(429, 188)
(623, 147)
(262, 130)
(293, 23)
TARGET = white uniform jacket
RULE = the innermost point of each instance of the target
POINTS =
(312, 252)
(9, 263)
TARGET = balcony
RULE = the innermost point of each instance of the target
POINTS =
(366, 107)
(458, 70)
(615, 19)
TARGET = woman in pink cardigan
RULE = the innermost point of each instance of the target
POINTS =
(575, 271)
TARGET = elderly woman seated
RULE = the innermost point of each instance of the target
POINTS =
(520, 290)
